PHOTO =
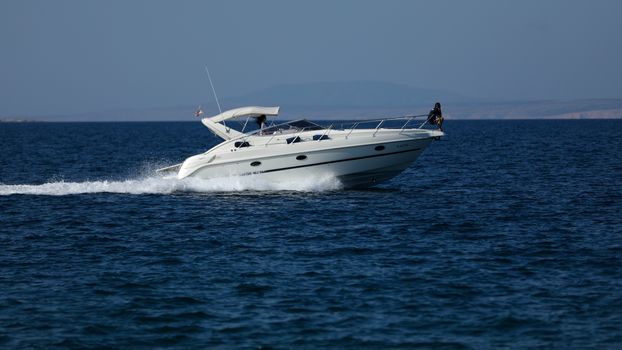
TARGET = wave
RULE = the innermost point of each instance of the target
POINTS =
(167, 185)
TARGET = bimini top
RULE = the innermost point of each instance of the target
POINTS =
(245, 112)
(227, 133)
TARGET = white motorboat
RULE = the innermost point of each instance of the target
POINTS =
(299, 149)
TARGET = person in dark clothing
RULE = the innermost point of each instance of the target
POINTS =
(435, 117)
(261, 120)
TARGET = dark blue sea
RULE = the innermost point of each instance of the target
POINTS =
(505, 234)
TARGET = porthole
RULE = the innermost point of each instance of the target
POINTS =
(379, 148)
(301, 157)
(255, 163)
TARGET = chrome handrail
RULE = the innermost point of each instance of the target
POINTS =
(377, 127)
(273, 135)
(325, 133)
(343, 127)
(352, 129)
(381, 122)
(407, 121)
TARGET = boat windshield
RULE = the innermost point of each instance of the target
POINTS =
(293, 126)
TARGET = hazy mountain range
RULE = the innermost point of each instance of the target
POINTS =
(364, 99)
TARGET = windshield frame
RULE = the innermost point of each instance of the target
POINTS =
(290, 127)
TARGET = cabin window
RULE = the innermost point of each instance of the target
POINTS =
(293, 139)
(255, 163)
(320, 137)
(379, 148)
(301, 157)
(240, 144)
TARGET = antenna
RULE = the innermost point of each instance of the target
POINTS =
(213, 90)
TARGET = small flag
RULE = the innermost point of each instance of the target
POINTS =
(198, 112)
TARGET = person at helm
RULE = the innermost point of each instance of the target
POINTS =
(261, 120)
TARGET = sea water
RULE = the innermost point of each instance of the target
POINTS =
(504, 234)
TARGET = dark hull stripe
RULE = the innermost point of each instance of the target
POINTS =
(334, 161)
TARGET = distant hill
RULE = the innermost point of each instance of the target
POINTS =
(546, 109)
(16, 120)
(366, 99)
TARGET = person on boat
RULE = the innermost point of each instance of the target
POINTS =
(261, 120)
(435, 117)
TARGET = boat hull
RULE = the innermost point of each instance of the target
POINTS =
(354, 166)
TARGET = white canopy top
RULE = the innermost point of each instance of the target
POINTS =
(245, 112)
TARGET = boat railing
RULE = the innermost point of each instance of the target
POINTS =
(400, 123)
(273, 135)
(325, 133)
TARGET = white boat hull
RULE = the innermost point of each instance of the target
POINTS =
(355, 166)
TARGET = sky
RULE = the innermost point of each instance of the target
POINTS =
(63, 57)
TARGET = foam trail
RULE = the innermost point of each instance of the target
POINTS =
(166, 185)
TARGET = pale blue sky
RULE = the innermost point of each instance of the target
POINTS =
(79, 56)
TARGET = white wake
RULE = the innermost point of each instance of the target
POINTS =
(165, 185)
